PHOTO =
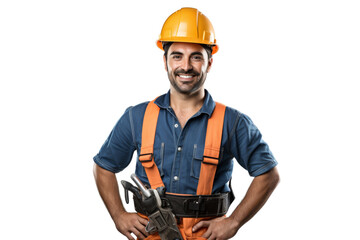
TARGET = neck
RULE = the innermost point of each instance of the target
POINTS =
(187, 102)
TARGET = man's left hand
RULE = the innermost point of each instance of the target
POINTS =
(218, 228)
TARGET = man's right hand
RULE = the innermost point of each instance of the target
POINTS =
(127, 223)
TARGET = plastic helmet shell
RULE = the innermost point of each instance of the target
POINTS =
(188, 25)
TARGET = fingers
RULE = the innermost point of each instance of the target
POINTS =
(128, 235)
(143, 221)
(139, 234)
(219, 228)
(132, 225)
(207, 234)
(211, 238)
(139, 230)
(142, 224)
(199, 225)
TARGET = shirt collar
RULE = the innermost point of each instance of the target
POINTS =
(208, 107)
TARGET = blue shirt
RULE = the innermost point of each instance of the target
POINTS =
(178, 152)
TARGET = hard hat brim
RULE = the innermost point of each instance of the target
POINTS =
(215, 47)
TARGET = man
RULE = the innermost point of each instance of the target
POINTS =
(180, 147)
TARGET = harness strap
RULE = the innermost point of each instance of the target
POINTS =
(147, 146)
(211, 150)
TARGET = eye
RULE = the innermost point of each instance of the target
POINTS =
(197, 58)
(176, 57)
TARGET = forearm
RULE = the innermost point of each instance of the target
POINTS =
(108, 188)
(258, 193)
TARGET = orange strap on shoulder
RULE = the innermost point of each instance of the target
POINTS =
(211, 150)
(147, 145)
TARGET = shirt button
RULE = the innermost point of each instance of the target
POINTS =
(179, 149)
(176, 125)
(176, 178)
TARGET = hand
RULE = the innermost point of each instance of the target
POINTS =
(218, 228)
(128, 223)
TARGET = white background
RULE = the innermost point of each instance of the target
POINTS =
(69, 69)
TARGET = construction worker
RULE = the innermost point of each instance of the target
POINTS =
(191, 148)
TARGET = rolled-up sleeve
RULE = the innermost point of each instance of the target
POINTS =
(117, 151)
(249, 149)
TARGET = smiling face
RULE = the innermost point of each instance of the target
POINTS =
(187, 66)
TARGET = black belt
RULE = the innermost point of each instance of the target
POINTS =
(195, 206)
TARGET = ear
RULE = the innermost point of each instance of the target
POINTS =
(209, 65)
(165, 64)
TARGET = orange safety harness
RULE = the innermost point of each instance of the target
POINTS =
(211, 149)
(207, 170)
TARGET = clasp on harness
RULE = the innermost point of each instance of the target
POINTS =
(146, 157)
(210, 160)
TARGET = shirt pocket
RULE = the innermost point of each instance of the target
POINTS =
(198, 155)
(159, 161)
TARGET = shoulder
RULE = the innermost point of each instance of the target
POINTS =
(138, 109)
(134, 115)
(236, 119)
(131, 113)
(232, 114)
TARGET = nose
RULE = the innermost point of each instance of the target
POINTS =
(186, 64)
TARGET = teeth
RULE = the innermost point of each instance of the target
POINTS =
(185, 76)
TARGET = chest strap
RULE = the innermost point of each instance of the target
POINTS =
(147, 145)
(211, 149)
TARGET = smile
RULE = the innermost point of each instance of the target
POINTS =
(185, 76)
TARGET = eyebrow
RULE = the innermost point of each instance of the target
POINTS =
(180, 53)
(176, 53)
(196, 53)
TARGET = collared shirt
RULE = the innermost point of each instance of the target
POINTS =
(178, 152)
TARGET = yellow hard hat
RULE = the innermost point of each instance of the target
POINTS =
(188, 25)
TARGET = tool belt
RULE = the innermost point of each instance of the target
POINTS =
(195, 206)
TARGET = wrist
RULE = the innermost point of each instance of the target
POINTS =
(117, 214)
(237, 223)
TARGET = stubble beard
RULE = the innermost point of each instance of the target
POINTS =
(187, 91)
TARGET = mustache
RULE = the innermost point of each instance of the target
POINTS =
(190, 72)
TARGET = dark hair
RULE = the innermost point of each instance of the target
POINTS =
(166, 46)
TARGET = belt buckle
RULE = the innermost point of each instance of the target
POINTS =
(195, 205)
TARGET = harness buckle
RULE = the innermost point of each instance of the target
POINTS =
(210, 160)
(146, 157)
